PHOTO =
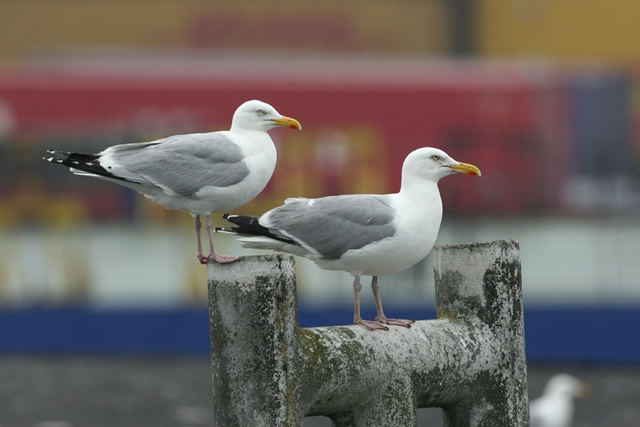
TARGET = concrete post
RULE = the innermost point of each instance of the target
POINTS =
(470, 361)
(253, 316)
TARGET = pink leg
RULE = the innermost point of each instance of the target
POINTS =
(357, 319)
(222, 259)
(201, 257)
(381, 317)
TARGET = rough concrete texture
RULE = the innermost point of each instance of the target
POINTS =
(479, 285)
(253, 314)
(470, 361)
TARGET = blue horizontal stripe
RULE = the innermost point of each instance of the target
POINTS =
(559, 334)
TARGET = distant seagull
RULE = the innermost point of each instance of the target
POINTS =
(198, 173)
(362, 234)
(555, 407)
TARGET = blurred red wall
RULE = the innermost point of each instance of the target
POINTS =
(360, 119)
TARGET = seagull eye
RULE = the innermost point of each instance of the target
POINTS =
(435, 158)
(261, 112)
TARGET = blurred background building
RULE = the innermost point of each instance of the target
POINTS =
(541, 95)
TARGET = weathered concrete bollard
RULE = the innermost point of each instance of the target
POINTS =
(470, 361)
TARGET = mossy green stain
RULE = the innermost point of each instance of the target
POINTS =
(447, 314)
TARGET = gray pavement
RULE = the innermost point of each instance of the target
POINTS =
(156, 392)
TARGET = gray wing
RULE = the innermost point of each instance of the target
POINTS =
(334, 225)
(182, 164)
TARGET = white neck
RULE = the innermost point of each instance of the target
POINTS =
(419, 189)
(424, 195)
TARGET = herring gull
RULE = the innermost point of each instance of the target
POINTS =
(555, 407)
(198, 173)
(362, 234)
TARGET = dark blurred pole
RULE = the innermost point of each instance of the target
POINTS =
(462, 22)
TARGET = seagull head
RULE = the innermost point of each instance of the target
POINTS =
(433, 164)
(567, 385)
(258, 115)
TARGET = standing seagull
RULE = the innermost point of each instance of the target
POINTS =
(363, 234)
(198, 173)
(555, 407)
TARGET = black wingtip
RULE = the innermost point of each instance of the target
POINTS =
(56, 156)
(250, 226)
(89, 163)
(58, 152)
(241, 220)
(53, 159)
(228, 230)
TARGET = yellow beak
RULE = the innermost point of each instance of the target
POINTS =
(466, 169)
(584, 391)
(288, 122)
